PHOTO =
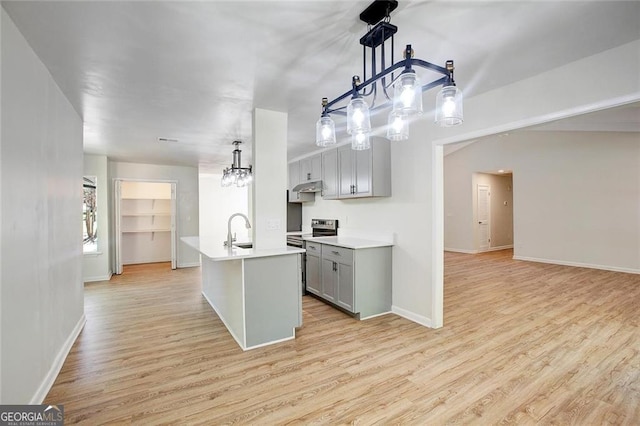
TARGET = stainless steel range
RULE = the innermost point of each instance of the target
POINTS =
(324, 227)
(295, 240)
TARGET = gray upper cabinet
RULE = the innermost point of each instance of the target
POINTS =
(294, 179)
(345, 173)
(311, 168)
(365, 173)
(330, 174)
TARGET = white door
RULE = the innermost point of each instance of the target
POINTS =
(173, 226)
(117, 195)
(484, 215)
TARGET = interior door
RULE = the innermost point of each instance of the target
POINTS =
(173, 227)
(117, 197)
(484, 215)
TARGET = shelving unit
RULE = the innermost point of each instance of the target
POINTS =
(145, 223)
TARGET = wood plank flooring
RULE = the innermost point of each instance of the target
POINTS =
(523, 343)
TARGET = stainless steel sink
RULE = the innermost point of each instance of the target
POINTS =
(243, 245)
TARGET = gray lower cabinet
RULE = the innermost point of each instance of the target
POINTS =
(337, 274)
(357, 280)
(329, 280)
(313, 283)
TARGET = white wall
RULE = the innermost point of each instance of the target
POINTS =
(268, 204)
(146, 190)
(97, 266)
(217, 204)
(186, 199)
(41, 265)
(576, 195)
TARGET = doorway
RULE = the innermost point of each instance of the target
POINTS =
(145, 218)
(492, 205)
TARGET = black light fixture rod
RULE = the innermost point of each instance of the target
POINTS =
(397, 65)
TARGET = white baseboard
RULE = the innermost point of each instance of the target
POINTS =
(510, 246)
(51, 376)
(239, 341)
(98, 278)
(455, 250)
(578, 264)
(412, 316)
(189, 265)
(374, 315)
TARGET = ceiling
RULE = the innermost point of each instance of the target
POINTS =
(194, 71)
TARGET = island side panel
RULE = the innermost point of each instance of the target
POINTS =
(222, 287)
(272, 297)
(373, 276)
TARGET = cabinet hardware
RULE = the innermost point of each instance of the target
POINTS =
(335, 266)
(337, 253)
(312, 247)
(308, 176)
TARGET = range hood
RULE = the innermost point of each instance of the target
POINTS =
(315, 186)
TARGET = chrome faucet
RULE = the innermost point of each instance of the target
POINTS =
(229, 241)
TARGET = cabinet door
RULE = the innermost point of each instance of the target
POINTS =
(311, 168)
(345, 172)
(362, 173)
(345, 292)
(314, 284)
(329, 278)
(294, 174)
(330, 174)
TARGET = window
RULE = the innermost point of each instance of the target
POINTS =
(89, 215)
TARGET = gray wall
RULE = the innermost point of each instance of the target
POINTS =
(41, 265)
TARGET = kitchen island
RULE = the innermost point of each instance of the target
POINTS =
(256, 293)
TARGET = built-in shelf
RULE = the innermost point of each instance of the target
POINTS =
(145, 229)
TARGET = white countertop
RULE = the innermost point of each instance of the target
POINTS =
(348, 242)
(217, 252)
(301, 233)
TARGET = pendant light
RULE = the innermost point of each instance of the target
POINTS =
(360, 141)
(397, 127)
(358, 117)
(379, 76)
(407, 98)
(449, 106)
(236, 174)
(325, 129)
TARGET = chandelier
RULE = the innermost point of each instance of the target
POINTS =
(402, 90)
(236, 174)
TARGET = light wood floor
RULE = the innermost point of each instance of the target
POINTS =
(523, 343)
